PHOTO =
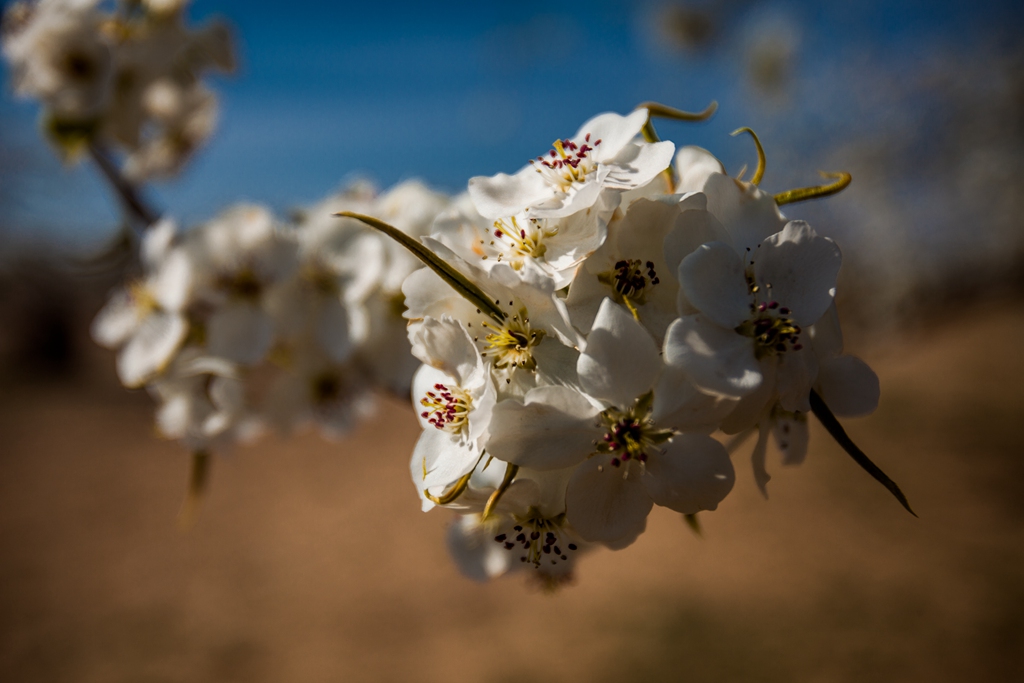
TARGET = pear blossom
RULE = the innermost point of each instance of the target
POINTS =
(556, 246)
(315, 389)
(626, 460)
(847, 385)
(527, 531)
(745, 340)
(239, 257)
(128, 76)
(59, 55)
(146, 320)
(534, 341)
(632, 267)
(202, 402)
(590, 169)
(455, 395)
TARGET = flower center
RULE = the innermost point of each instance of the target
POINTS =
(326, 388)
(143, 298)
(772, 330)
(511, 345)
(80, 66)
(631, 434)
(523, 240)
(447, 408)
(537, 538)
(241, 284)
(321, 279)
(567, 163)
(631, 279)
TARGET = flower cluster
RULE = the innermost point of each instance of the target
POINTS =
(249, 322)
(589, 322)
(127, 75)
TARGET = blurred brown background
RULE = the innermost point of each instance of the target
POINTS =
(312, 562)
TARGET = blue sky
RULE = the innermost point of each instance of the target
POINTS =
(393, 90)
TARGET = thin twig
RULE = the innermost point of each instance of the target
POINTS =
(128, 193)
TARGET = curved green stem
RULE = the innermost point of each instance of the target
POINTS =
(804, 193)
(761, 161)
(506, 481)
(459, 282)
(453, 493)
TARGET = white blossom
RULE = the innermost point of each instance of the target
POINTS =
(602, 160)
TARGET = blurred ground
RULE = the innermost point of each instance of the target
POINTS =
(312, 562)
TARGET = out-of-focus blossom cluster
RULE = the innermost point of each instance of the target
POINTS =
(250, 322)
(126, 75)
(617, 304)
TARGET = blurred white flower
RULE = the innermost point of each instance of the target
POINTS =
(146, 320)
(59, 55)
(202, 402)
(239, 258)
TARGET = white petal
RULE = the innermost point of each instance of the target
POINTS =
(332, 330)
(796, 374)
(578, 236)
(693, 473)
(151, 348)
(712, 278)
(826, 335)
(580, 196)
(791, 436)
(171, 286)
(621, 361)
(757, 457)
(156, 242)
(425, 292)
(680, 405)
(801, 268)
(505, 195)
(693, 228)
(603, 506)
(553, 428)
(848, 386)
(240, 332)
(694, 165)
(638, 163)
(472, 546)
(585, 296)
(117, 320)
(748, 214)
(753, 407)
(613, 130)
(445, 345)
(718, 361)
(444, 459)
